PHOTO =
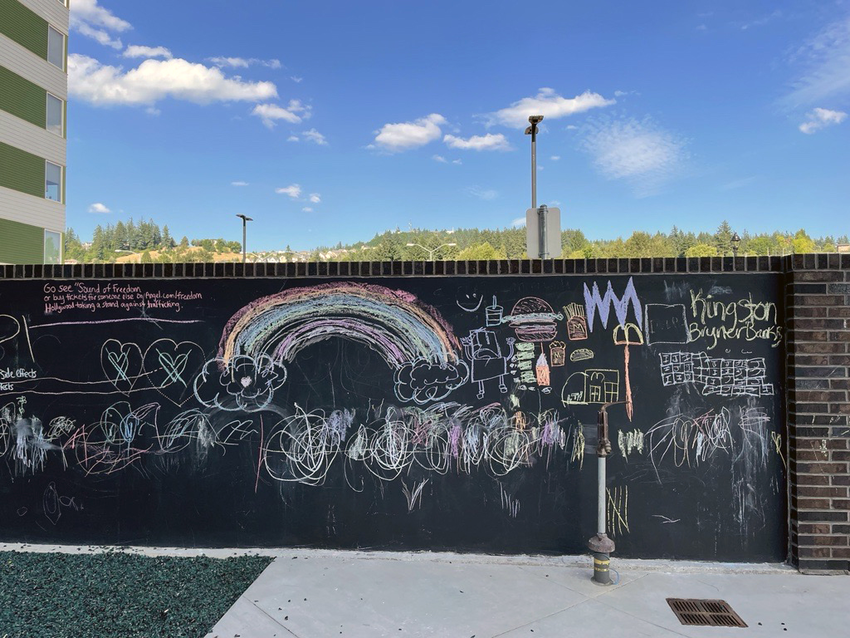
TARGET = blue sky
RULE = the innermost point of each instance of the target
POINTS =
(332, 120)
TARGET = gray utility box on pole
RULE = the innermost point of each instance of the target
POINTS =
(543, 232)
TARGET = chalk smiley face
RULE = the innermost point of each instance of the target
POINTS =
(470, 302)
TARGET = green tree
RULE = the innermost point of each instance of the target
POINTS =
(480, 251)
(802, 243)
(146, 257)
(702, 250)
(723, 239)
(390, 247)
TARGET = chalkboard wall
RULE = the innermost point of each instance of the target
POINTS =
(400, 413)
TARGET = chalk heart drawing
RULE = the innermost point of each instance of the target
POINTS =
(121, 363)
(171, 368)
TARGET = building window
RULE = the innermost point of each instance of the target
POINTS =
(52, 247)
(55, 48)
(52, 181)
(54, 114)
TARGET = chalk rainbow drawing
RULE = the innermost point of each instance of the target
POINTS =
(411, 336)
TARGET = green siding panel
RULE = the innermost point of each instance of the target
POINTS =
(21, 243)
(24, 27)
(21, 171)
(22, 98)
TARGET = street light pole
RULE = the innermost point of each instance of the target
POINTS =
(431, 251)
(532, 130)
(245, 221)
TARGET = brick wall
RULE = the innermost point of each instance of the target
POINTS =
(818, 314)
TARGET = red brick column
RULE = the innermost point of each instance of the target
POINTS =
(818, 318)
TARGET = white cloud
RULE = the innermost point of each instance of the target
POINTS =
(240, 183)
(546, 103)
(244, 63)
(293, 113)
(315, 198)
(825, 62)
(140, 51)
(293, 190)
(457, 161)
(152, 110)
(295, 79)
(89, 11)
(154, 80)
(98, 35)
(821, 118)
(572, 127)
(519, 222)
(488, 142)
(314, 136)
(93, 21)
(639, 152)
(407, 135)
(439, 158)
(97, 207)
(487, 195)
(292, 138)
(306, 209)
(555, 158)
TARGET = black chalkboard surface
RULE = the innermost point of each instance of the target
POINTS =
(416, 413)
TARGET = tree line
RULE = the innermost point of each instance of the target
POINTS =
(111, 242)
(144, 237)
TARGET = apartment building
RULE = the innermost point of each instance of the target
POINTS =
(33, 130)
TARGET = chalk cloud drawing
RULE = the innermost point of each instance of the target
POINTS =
(666, 323)
(242, 383)
(723, 377)
(483, 349)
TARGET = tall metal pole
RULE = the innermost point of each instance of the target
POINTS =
(534, 165)
(245, 219)
(533, 120)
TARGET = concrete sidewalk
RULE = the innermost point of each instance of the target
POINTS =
(321, 594)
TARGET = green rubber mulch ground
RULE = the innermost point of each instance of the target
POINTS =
(118, 595)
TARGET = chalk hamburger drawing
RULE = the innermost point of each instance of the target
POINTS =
(533, 320)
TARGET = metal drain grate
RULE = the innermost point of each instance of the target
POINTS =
(711, 613)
